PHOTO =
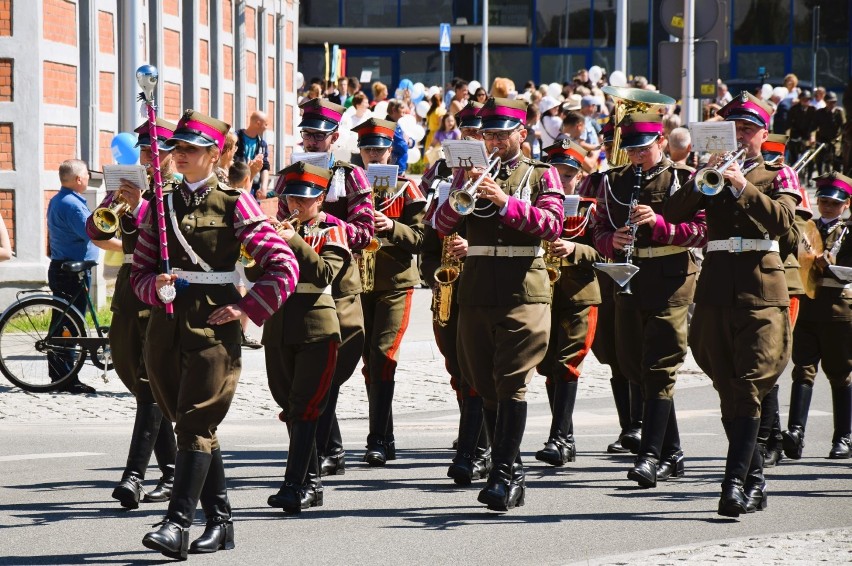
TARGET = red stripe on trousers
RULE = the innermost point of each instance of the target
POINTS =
(390, 365)
(794, 311)
(571, 371)
(312, 410)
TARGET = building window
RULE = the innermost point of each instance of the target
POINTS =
(420, 13)
(319, 13)
(761, 22)
(833, 22)
(371, 13)
(509, 12)
(515, 64)
(421, 67)
(563, 23)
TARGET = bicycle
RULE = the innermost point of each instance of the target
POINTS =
(39, 360)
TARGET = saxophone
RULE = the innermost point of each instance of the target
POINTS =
(552, 263)
(445, 278)
(367, 264)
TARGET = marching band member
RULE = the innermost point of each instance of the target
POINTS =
(152, 432)
(194, 357)
(504, 293)
(650, 319)
(348, 199)
(389, 287)
(824, 331)
(301, 339)
(574, 311)
(740, 332)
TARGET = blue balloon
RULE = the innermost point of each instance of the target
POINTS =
(124, 149)
(406, 84)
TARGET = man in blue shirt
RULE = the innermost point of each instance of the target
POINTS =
(399, 153)
(66, 227)
(251, 147)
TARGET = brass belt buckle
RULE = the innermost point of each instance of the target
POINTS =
(735, 244)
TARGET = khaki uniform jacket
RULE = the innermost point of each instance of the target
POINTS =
(578, 281)
(395, 264)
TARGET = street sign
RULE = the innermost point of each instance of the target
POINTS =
(711, 22)
(706, 68)
(444, 38)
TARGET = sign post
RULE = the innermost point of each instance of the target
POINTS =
(444, 43)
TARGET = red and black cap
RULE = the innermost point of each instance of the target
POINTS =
(468, 117)
(165, 130)
(320, 114)
(747, 107)
(565, 152)
(834, 186)
(199, 129)
(774, 146)
(503, 114)
(640, 129)
(375, 133)
(304, 180)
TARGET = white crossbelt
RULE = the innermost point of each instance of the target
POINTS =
(834, 283)
(736, 245)
(659, 251)
(313, 289)
(128, 258)
(505, 251)
(208, 277)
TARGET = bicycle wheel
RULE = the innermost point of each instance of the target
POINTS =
(28, 357)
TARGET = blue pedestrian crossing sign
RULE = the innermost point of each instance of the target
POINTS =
(444, 40)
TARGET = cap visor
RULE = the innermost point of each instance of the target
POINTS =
(374, 141)
(564, 160)
(302, 190)
(746, 118)
(638, 140)
(143, 141)
(833, 193)
(187, 137)
(473, 123)
(499, 124)
(770, 156)
(317, 124)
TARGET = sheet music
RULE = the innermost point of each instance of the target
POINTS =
(571, 204)
(113, 174)
(315, 158)
(382, 177)
(713, 137)
(465, 153)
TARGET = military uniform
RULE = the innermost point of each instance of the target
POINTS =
(829, 122)
(193, 367)
(152, 432)
(650, 322)
(504, 297)
(740, 333)
(301, 341)
(824, 334)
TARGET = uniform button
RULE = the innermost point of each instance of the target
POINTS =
(183, 257)
(499, 240)
(746, 205)
(187, 227)
(192, 216)
(736, 225)
(736, 213)
(212, 222)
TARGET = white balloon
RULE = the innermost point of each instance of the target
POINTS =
(417, 91)
(472, 86)
(433, 90)
(407, 123)
(780, 92)
(300, 80)
(554, 90)
(413, 155)
(766, 91)
(381, 110)
(422, 108)
(618, 78)
(595, 74)
(417, 133)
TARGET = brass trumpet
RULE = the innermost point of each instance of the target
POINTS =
(710, 180)
(463, 200)
(106, 218)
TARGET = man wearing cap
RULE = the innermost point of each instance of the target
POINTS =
(591, 131)
(830, 121)
(626, 394)
(504, 292)
(348, 199)
(301, 339)
(193, 356)
(802, 122)
(399, 227)
(574, 311)
(824, 332)
(651, 308)
(152, 431)
(740, 333)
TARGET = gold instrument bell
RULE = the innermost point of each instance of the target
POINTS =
(106, 218)
(629, 101)
(810, 248)
(445, 276)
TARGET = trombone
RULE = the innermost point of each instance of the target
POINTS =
(463, 200)
(710, 181)
(807, 157)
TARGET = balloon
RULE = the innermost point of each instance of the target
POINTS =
(595, 74)
(766, 91)
(300, 80)
(381, 110)
(417, 132)
(780, 91)
(433, 90)
(414, 155)
(124, 149)
(406, 84)
(554, 90)
(422, 108)
(417, 92)
(472, 86)
(618, 78)
(407, 124)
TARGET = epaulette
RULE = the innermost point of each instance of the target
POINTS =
(343, 165)
(770, 167)
(227, 189)
(534, 162)
(686, 168)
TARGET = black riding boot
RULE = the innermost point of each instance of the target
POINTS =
(769, 435)
(755, 483)
(219, 530)
(172, 536)
(165, 449)
(302, 447)
(463, 469)
(461, 403)
(632, 439)
(560, 448)
(329, 440)
(621, 395)
(794, 437)
(145, 429)
(506, 487)
(841, 398)
(742, 439)
(312, 495)
(671, 456)
(654, 424)
(381, 399)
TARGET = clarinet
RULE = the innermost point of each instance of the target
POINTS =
(634, 202)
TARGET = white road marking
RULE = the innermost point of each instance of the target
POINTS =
(22, 457)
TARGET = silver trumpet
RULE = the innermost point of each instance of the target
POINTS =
(463, 200)
(710, 180)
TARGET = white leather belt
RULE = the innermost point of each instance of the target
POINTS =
(835, 284)
(659, 251)
(506, 251)
(128, 258)
(736, 245)
(311, 288)
(207, 277)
